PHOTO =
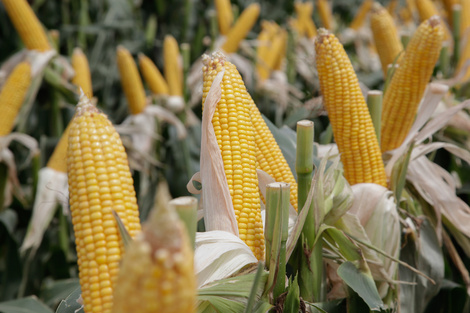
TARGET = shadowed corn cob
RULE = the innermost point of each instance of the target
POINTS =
(156, 273)
(241, 28)
(99, 182)
(27, 25)
(361, 14)
(392, 7)
(58, 159)
(386, 37)
(347, 110)
(224, 15)
(264, 46)
(407, 86)
(325, 13)
(281, 50)
(82, 77)
(173, 70)
(12, 96)
(130, 81)
(152, 76)
(463, 59)
(465, 19)
(236, 138)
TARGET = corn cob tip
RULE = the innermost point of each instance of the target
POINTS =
(85, 105)
(434, 20)
(77, 51)
(376, 7)
(322, 33)
(217, 57)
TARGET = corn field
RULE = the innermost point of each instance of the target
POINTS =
(234, 156)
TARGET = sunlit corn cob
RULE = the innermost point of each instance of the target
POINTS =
(12, 96)
(58, 159)
(269, 155)
(264, 46)
(465, 19)
(427, 9)
(82, 78)
(236, 138)
(387, 41)
(325, 13)
(152, 76)
(130, 81)
(304, 15)
(156, 273)
(100, 182)
(407, 86)
(241, 28)
(448, 7)
(224, 15)
(27, 25)
(361, 14)
(281, 52)
(347, 110)
(173, 69)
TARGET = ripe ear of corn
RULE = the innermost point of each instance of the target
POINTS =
(427, 9)
(407, 86)
(465, 19)
(281, 52)
(386, 37)
(58, 159)
(152, 76)
(12, 96)
(241, 28)
(99, 182)
(27, 25)
(130, 81)
(325, 13)
(173, 70)
(305, 22)
(82, 77)
(156, 273)
(347, 110)
(264, 44)
(361, 14)
(236, 138)
(224, 15)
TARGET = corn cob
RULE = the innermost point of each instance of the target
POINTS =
(58, 159)
(236, 138)
(427, 9)
(156, 273)
(224, 15)
(152, 76)
(12, 96)
(264, 43)
(347, 110)
(304, 15)
(392, 7)
(130, 81)
(27, 25)
(99, 182)
(325, 13)
(361, 14)
(463, 59)
(82, 78)
(241, 28)
(465, 19)
(448, 7)
(385, 35)
(281, 53)
(173, 69)
(407, 86)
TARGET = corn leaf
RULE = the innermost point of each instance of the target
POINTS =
(72, 304)
(56, 291)
(24, 305)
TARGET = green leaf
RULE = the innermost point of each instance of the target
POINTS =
(362, 284)
(292, 303)
(24, 305)
(58, 290)
(10, 279)
(72, 304)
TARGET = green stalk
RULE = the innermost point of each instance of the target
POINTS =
(84, 21)
(186, 207)
(374, 103)
(151, 30)
(290, 57)
(186, 53)
(187, 16)
(251, 300)
(236, 12)
(65, 13)
(390, 71)
(63, 232)
(214, 28)
(327, 136)
(456, 20)
(57, 123)
(405, 39)
(444, 59)
(3, 183)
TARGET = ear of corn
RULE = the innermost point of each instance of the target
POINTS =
(281, 50)
(224, 15)
(82, 77)
(236, 138)
(407, 86)
(173, 68)
(392, 7)
(465, 19)
(99, 182)
(156, 273)
(347, 110)
(427, 9)
(12, 96)
(463, 59)
(27, 25)
(264, 46)
(305, 22)
(361, 14)
(130, 81)
(385, 35)
(241, 28)
(325, 13)
(58, 159)
(152, 76)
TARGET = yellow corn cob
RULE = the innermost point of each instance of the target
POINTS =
(224, 15)
(12, 96)
(82, 78)
(325, 13)
(304, 14)
(236, 138)
(99, 182)
(361, 14)
(269, 156)
(264, 43)
(427, 9)
(448, 7)
(311, 29)
(27, 25)
(156, 273)
(241, 28)
(130, 81)
(295, 24)
(392, 7)
(274, 54)
(407, 86)
(58, 159)
(463, 59)
(152, 76)
(347, 110)
(173, 69)
(281, 53)
(465, 19)
(385, 34)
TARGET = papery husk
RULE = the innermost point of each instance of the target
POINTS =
(305, 62)
(52, 190)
